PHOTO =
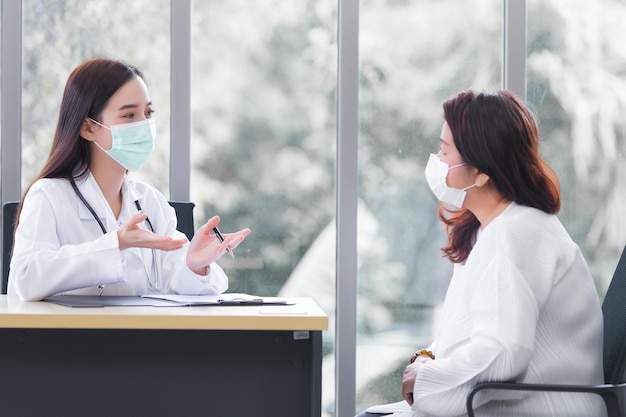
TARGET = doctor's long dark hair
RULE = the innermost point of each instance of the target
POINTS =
(87, 91)
(496, 134)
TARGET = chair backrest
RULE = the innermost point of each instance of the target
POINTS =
(614, 311)
(184, 216)
(9, 211)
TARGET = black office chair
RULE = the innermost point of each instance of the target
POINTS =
(9, 211)
(184, 216)
(613, 392)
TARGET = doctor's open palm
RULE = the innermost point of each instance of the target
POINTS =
(130, 235)
(206, 248)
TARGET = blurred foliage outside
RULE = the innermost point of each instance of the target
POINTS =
(264, 136)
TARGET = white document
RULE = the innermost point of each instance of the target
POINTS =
(219, 299)
(398, 407)
(166, 300)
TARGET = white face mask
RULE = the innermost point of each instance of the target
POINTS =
(436, 173)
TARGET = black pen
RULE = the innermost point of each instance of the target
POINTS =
(221, 239)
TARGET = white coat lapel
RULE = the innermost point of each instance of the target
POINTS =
(138, 256)
(92, 194)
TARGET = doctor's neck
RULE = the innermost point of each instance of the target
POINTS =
(110, 176)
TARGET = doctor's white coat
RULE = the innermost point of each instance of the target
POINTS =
(60, 248)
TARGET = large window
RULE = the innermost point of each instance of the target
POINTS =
(414, 54)
(576, 84)
(264, 136)
(263, 144)
(60, 34)
(0, 88)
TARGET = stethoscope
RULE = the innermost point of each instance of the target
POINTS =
(155, 271)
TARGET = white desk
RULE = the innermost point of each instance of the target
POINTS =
(160, 361)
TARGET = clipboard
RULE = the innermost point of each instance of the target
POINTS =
(225, 299)
(165, 300)
(85, 301)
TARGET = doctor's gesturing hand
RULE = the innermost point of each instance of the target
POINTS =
(130, 235)
(206, 248)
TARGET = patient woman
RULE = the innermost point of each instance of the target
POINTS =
(521, 305)
(84, 226)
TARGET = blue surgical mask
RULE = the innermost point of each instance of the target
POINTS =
(131, 143)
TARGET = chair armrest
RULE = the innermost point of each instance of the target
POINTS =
(608, 392)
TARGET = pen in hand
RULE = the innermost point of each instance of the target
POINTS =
(219, 236)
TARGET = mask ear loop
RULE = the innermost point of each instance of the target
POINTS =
(99, 124)
(457, 165)
(450, 167)
(460, 165)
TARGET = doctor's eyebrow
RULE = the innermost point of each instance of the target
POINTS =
(132, 106)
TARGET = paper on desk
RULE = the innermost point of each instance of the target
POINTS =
(105, 301)
(219, 299)
(166, 300)
(400, 407)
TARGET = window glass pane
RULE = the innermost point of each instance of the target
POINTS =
(413, 55)
(263, 144)
(263, 83)
(0, 88)
(576, 57)
(60, 34)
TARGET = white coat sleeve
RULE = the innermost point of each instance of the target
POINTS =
(41, 266)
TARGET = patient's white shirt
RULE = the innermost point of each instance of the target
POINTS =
(524, 308)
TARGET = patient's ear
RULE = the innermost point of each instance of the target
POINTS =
(481, 179)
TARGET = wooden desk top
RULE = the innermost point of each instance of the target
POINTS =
(305, 314)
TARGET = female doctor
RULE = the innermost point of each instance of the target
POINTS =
(84, 227)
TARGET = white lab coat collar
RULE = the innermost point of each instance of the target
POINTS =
(88, 187)
(93, 194)
(129, 196)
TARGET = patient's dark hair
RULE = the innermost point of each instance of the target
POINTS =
(495, 133)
